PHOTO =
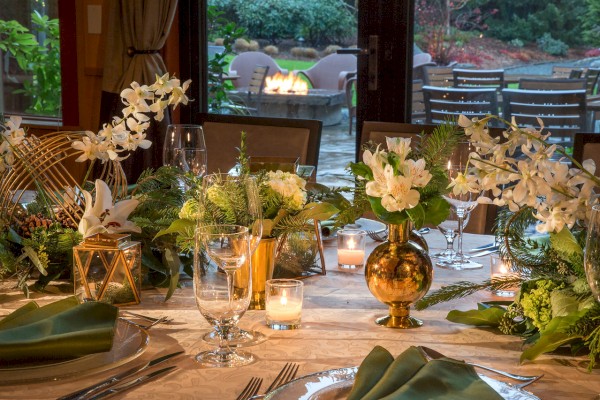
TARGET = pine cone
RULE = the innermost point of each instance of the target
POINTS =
(63, 218)
(31, 222)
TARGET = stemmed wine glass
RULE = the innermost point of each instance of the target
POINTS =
(592, 252)
(222, 288)
(243, 192)
(449, 228)
(185, 149)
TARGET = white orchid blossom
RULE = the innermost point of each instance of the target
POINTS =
(127, 133)
(101, 216)
(558, 195)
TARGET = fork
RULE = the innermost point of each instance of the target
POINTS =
(251, 389)
(287, 373)
(378, 236)
(147, 318)
(146, 327)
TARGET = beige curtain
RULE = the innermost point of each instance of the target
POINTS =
(142, 27)
(137, 30)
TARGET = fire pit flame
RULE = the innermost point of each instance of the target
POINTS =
(282, 84)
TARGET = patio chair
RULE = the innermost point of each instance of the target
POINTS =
(562, 72)
(438, 76)
(562, 111)
(267, 137)
(244, 64)
(587, 146)
(420, 61)
(330, 72)
(446, 103)
(418, 102)
(552, 84)
(469, 78)
(591, 77)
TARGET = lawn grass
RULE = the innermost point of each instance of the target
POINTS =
(288, 64)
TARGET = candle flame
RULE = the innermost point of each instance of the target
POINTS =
(351, 244)
(449, 165)
(503, 269)
(283, 299)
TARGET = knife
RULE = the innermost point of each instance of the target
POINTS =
(118, 377)
(485, 252)
(132, 383)
(488, 246)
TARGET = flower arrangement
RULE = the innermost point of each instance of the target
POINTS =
(532, 180)
(36, 240)
(402, 183)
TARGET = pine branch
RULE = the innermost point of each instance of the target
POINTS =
(463, 288)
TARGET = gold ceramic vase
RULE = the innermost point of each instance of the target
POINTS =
(398, 273)
(263, 263)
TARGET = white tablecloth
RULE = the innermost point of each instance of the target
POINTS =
(337, 331)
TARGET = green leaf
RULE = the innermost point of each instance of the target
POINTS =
(565, 242)
(417, 215)
(563, 303)
(483, 317)
(436, 211)
(171, 258)
(361, 169)
(318, 211)
(30, 252)
(178, 226)
(384, 215)
(553, 336)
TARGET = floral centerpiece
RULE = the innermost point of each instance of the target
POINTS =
(539, 185)
(37, 240)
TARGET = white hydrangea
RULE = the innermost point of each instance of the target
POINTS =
(290, 186)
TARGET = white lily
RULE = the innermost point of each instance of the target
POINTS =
(102, 216)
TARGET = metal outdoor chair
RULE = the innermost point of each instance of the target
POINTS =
(482, 78)
(587, 146)
(552, 84)
(562, 111)
(438, 76)
(418, 102)
(446, 103)
(350, 90)
(562, 72)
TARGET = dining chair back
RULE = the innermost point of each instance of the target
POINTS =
(266, 137)
(438, 76)
(563, 112)
(484, 78)
(552, 84)
(587, 146)
(330, 72)
(446, 103)
(244, 64)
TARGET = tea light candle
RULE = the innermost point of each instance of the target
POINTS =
(499, 269)
(351, 248)
(284, 303)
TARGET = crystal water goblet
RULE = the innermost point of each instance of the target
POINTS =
(222, 288)
(449, 228)
(462, 204)
(184, 136)
(243, 192)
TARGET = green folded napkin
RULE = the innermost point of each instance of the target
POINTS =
(60, 330)
(411, 376)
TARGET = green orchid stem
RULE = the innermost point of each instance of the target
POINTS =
(88, 173)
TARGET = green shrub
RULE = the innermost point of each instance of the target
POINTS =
(552, 46)
(272, 19)
(590, 23)
(516, 43)
(328, 21)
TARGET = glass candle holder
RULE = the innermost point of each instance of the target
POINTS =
(284, 303)
(500, 269)
(351, 248)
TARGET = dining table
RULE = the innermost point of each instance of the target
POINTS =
(338, 330)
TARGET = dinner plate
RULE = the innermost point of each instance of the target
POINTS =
(129, 342)
(364, 224)
(335, 384)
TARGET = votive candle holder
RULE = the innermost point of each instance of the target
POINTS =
(351, 248)
(283, 303)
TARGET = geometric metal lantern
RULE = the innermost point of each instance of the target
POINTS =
(107, 268)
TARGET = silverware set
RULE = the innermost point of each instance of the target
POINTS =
(287, 373)
(120, 382)
(383, 235)
(152, 321)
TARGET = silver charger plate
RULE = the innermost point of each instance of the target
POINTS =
(129, 342)
(364, 224)
(335, 384)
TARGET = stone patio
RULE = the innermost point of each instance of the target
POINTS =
(337, 150)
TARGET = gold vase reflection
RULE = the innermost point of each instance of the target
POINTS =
(263, 263)
(398, 273)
